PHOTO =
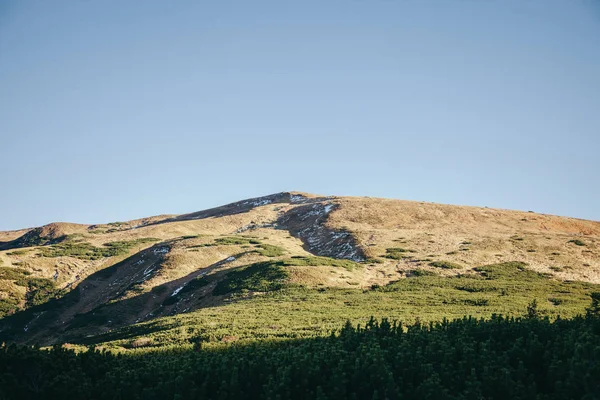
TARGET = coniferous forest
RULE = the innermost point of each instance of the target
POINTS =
(497, 358)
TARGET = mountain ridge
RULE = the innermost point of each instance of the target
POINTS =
(64, 282)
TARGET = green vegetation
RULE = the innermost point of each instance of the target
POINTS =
(8, 306)
(14, 274)
(316, 261)
(260, 277)
(397, 253)
(270, 276)
(576, 242)
(39, 290)
(236, 240)
(445, 265)
(420, 272)
(269, 250)
(191, 237)
(86, 251)
(292, 311)
(18, 252)
(496, 359)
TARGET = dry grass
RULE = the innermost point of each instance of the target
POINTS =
(469, 236)
(441, 230)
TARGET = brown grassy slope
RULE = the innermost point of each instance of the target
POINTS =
(430, 230)
(472, 236)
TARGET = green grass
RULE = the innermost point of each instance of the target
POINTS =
(86, 251)
(284, 312)
(13, 274)
(236, 240)
(397, 253)
(8, 306)
(268, 250)
(260, 277)
(270, 276)
(421, 272)
(17, 252)
(39, 290)
(316, 261)
(445, 265)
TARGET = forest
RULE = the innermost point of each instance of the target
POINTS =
(527, 357)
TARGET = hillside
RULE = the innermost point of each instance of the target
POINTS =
(288, 265)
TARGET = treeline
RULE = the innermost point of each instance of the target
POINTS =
(499, 358)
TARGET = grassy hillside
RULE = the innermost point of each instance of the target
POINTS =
(288, 311)
(288, 265)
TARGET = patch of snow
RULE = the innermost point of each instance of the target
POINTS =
(148, 270)
(229, 259)
(262, 202)
(296, 198)
(161, 250)
(257, 203)
(177, 291)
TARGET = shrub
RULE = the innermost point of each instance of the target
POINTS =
(140, 342)
(235, 240)
(86, 251)
(13, 274)
(316, 261)
(260, 277)
(594, 308)
(17, 253)
(397, 253)
(39, 291)
(576, 242)
(532, 310)
(8, 306)
(268, 250)
(556, 301)
(445, 265)
(420, 272)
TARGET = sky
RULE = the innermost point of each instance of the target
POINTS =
(112, 110)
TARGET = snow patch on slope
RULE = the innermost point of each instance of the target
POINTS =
(308, 223)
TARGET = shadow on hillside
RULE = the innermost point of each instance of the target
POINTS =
(498, 358)
(96, 306)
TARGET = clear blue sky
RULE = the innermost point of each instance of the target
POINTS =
(114, 110)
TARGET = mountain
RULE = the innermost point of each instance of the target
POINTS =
(287, 265)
